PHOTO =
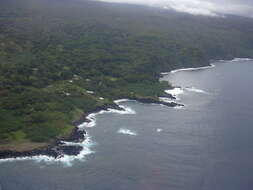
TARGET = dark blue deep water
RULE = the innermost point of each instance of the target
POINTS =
(208, 145)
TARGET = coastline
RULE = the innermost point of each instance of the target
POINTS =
(59, 147)
(211, 65)
(73, 145)
(188, 69)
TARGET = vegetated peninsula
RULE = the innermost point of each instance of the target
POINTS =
(60, 60)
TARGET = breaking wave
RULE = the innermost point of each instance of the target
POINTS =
(165, 99)
(236, 60)
(241, 59)
(91, 118)
(67, 160)
(126, 110)
(193, 89)
(175, 92)
(191, 69)
(168, 100)
(127, 132)
(159, 130)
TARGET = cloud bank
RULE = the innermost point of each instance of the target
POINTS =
(199, 7)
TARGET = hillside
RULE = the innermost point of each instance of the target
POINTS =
(59, 57)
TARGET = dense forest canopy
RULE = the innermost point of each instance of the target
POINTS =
(54, 53)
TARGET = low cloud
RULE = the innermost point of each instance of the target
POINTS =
(199, 7)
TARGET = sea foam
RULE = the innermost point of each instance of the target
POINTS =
(166, 100)
(66, 160)
(241, 59)
(175, 92)
(127, 132)
(192, 69)
(159, 130)
(193, 89)
(121, 100)
(91, 118)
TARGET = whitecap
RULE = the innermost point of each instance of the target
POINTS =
(159, 130)
(193, 89)
(127, 132)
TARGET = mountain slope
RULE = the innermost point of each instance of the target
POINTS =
(53, 53)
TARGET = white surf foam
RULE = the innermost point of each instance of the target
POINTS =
(126, 110)
(66, 160)
(241, 59)
(234, 60)
(87, 144)
(127, 132)
(165, 73)
(192, 69)
(90, 123)
(92, 117)
(193, 89)
(159, 130)
(166, 100)
(179, 107)
(121, 100)
(175, 92)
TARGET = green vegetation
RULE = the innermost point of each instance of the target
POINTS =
(53, 53)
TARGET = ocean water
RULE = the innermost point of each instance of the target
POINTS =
(206, 145)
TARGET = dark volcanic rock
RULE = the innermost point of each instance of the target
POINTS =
(76, 136)
(70, 150)
(98, 109)
(168, 96)
(54, 151)
(14, 154)
(153, 101)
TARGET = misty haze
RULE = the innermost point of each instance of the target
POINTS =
(199, 7)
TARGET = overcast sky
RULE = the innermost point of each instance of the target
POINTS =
(200, 7)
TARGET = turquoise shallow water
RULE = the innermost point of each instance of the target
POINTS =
(207, 145)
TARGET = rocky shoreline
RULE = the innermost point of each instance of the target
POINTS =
(152, 101)
(55, 149)
(58, 149)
